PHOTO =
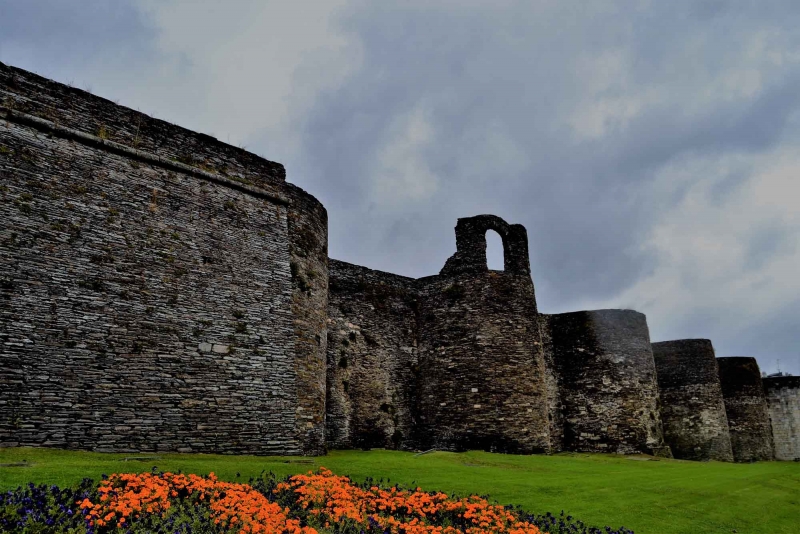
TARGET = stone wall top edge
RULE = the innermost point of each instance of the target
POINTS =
(430, 279)
(51, 128)
(339, 267)
(11, 76)
(734, 360)
(295, 192)
(687, 341)
(605, 311)
(779, 382)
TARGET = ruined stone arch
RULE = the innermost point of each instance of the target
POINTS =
(470, 256)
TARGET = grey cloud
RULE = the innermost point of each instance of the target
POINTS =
(770, 338)
(766, 242)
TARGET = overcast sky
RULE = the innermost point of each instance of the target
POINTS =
(651, 148)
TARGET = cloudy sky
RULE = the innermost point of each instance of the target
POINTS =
(651, 149)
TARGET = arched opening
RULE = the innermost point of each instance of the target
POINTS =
(495, 253)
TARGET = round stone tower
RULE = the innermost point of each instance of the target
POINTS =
(692, 409)
(481, 367)
(607, 379)
(783, 402)
(746, 408)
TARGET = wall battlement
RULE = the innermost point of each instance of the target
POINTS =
(164, 291)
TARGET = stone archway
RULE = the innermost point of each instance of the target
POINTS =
(470, 253)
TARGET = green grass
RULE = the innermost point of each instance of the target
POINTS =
(661, 497)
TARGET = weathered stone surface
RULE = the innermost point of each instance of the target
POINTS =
(451, 361)
(372, 358)
(746, 408)
(607, 382)
(149, 308)
(470, 256)
(783, 403)
(482, 370)
(692, 409)
(162, 290)
(308, 248)
(482, 376)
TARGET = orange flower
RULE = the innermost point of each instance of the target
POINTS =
(328, 499)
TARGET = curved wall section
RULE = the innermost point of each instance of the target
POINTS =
(607, 380)
(692, 409)
(150, 285)
(372, 358)
(307, 226)
(481, 372)
(746, 408)
(783, 402)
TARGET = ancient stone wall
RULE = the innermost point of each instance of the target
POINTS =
(607, 382)
(148, 288)
(482, 371)
(746, 408)
(372, 358)
(307, 226)
(555, 407)
(164, 291)
(692, 409)
(783, 403)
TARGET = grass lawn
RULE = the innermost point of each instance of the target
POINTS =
(650, 497)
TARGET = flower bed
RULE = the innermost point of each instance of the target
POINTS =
(318, 502)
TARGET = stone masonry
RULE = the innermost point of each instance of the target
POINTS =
(692, 408)
(783, 402)
(607, 382)
(746, 408)
(164, 291)
(151, 284)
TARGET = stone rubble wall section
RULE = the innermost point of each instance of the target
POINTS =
(607, 378)
(783, 403)
(153, 301)
(746, 409)
(692, 408)
(163, 290)
(142, 309)
(308, 248)
(372, 358)
(481, 364)
(555, 406)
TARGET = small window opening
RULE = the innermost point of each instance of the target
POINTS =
(495, 255)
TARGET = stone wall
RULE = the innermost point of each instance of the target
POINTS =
(746, 408)
(692, 409)
(146, 274)
(481, 366)
(372, 358)
(482, 382)
(607, 382)
(307, 226)
(165, 291)
(555, 406)
(783, 402)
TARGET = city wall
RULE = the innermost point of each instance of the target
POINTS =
(164, 291)
(149, 279)
(692, 407)
(783, 403)
(746, 409)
